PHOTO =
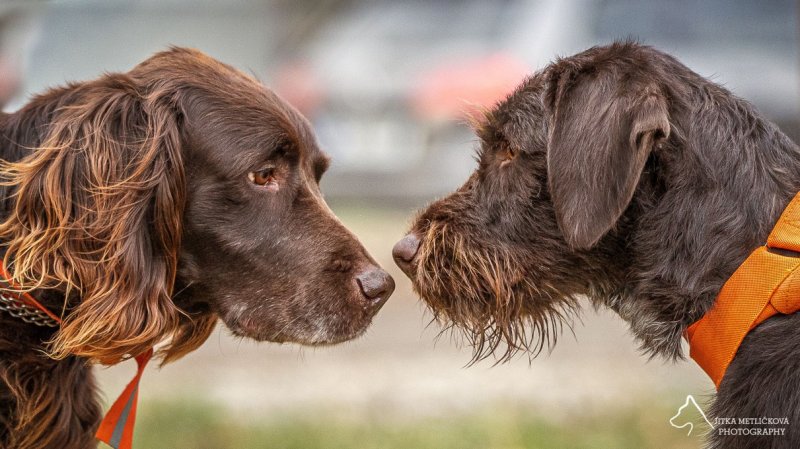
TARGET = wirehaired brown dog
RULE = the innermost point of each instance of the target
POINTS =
(141, 207)
(620, 175)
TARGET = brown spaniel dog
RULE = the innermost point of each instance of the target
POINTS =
(142, 206)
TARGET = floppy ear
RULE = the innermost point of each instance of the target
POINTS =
(602, 130)
(97, 212)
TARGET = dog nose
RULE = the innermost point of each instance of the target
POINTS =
(376, 285)
(404, 252)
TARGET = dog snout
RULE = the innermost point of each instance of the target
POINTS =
(404, 252)
(376, 285)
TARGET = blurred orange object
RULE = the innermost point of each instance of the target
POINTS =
(297, 84)
(462, 89)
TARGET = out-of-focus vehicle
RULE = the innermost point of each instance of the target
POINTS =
(394, 83)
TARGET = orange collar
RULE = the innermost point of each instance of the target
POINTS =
(116, 429)
(765, 284)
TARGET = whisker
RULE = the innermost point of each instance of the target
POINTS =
(482, 295)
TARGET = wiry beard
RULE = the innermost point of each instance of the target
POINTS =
(485, 293)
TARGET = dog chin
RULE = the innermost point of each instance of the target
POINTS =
(321, 335)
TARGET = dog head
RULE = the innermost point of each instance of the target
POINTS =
(180, 191)
(538, 223)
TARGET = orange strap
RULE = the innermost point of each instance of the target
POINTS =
(765, 284)
(116, 429)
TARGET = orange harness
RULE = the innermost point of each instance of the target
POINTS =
(116, 429)
(765, 284)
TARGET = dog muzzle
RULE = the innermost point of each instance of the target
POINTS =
(767, 283)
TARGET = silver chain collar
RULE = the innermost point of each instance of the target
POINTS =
(26, 313)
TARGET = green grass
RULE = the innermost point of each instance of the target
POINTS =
(189, 425)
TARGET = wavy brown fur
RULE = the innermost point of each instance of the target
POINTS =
(111, 184)
(55, 402)
(94, 226)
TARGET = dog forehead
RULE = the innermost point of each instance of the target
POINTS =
(518, 118)
(218, 93)
(239, 136)
(231, 114)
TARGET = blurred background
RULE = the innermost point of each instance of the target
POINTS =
(389, 87)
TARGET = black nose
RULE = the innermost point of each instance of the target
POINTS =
(375, 284)
(404, 252)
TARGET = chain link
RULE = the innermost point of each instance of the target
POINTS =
(26, 313)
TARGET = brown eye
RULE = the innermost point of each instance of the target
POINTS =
(265, 178)
(507, 155)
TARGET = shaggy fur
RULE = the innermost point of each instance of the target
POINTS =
(143, 206)
(620, 175)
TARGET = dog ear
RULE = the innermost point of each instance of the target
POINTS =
(97, 212)
(602, 130)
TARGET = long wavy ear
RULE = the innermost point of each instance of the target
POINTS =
(604, 124)
(97, 212)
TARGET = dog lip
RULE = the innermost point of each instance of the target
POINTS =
(243, 324)
(301, 339)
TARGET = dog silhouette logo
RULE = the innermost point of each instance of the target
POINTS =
(683, 418)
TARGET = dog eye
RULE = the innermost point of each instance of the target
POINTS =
(506, 155)
(264, 177)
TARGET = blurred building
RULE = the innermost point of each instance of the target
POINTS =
(390, 85)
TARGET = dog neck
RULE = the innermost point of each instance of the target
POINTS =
(43, 402)
(722, 183)
(38, 394)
